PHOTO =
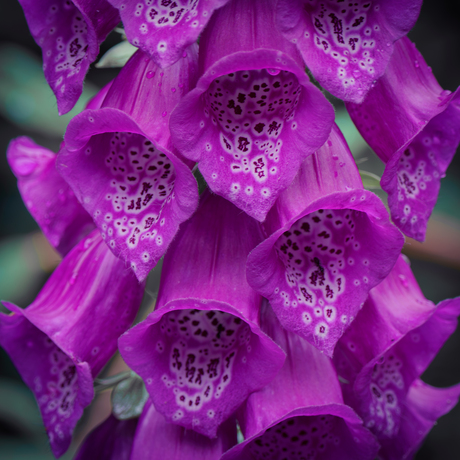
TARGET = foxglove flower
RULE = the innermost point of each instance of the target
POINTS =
(330, 242)
(111, 440)
(254, 115)
(412, 125)
(69, 33)
(384, 352)
(170, 442)
(70, 331)
(346, 45)
(47, 196)
(122, 166)
(164, 28)
(201, 352)
(300, 414)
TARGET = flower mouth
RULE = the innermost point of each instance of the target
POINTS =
(298, 438)
(200, 348)
(250, 109)
(142, 181)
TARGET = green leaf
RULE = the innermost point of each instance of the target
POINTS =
(129, 398)
(370, 181)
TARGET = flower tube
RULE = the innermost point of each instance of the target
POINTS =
(122, 166)
(382, 356)
(412, 125)
(346, 45)
(47, 196)
(163, 29)
(300, 414)
(254, 115)
(172, 442)
(330, 242)
(69, 33)
(111, 440)
(66, 336)
(201, 352)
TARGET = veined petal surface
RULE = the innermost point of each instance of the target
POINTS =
(346, 45)
(412, 125)
(69, 33)
(47, 196)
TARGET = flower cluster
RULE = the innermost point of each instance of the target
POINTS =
(285, 308)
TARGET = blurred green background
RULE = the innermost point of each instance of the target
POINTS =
(28, 107)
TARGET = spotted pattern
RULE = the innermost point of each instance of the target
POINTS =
(299, 438)
(348, 32)
(386, 389)
(201, 347)
(64, 48)
(323, 258)
(251, 109)
(141, 185)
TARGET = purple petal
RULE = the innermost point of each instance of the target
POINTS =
(47, 196)
(69, 34)
(300, 413)
(70, 332)
(171, 442)
(201, 352)
(122, 167)
(412, 125)
(254, 115)
(330, 242)
(346, 46)
(164, 29)
(383, 354)
(111, 440)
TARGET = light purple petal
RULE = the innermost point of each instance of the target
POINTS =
(201, 352)
(412, 125)
(254, 115)
(111, 440)
(330, 242)
(122, 166)
(70, 332)
(300, 413)
(47, 196)
(173, 442)
(383, 354)
(163, 29)
(346, 45)
(69, 34)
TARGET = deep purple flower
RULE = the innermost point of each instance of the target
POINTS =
(121, 164)
(346, 45)
(412, 125)
(201, 352)
(69, 33)
(70, 331)
(111, 440)
(168, 441)
(47, 196)
(254, 115)
(300, 414)
(330, 242)
(164, 28)
(382, 356)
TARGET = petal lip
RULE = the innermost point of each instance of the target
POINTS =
(133, 346)
(47, 196)
(324, 53)
(80, 45)
(354, 423)
(165, 44)
(191, 132)
(265, 271)
(109, 120)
